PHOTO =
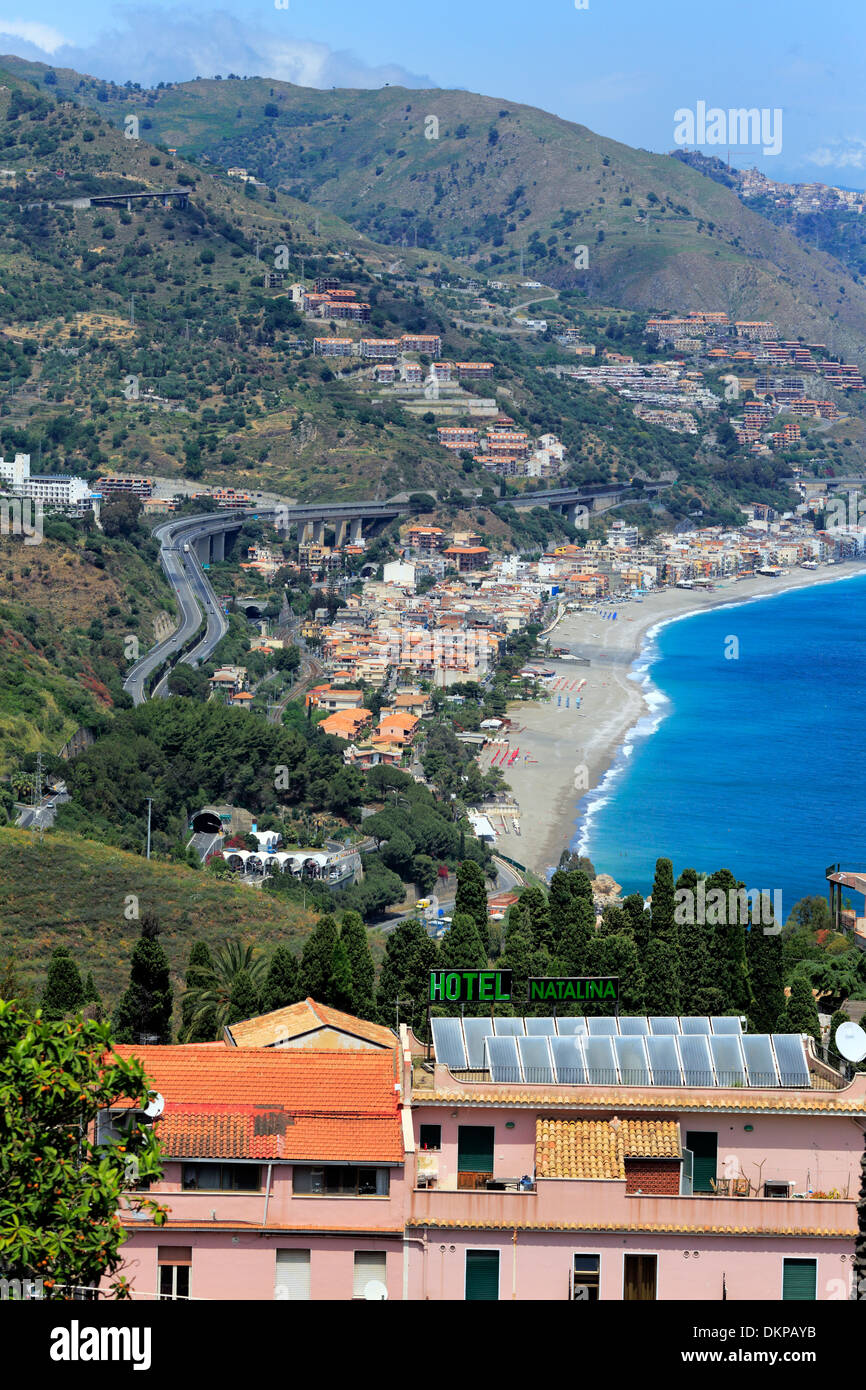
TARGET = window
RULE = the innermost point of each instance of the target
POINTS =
(174, 1262)
(586, 1278)
(369, 1268)
(431, 1137)
(639, 1278)
(341, 1180)
(293, 1276)
(777, 1189)
(799, 1281)
(482, 1276)
(222, 1177)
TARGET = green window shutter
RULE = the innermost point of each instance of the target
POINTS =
(482, 1275)
(704, 1145)
(799, 1281)
(475, 1149)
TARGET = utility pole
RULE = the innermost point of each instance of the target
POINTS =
(132, 309)
(149, 808)
(37, 798)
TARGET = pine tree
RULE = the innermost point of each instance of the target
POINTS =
(410, 955)
(801, 1014)
(353, 935)
(662, 980)
(282, 983)
(339, 991)
(764, 960)
(63, 993)
(663, 925)
(471, 897)
(243, 1001)
(144, 1010)
(581, 884)
(198, 974)
(316, 958)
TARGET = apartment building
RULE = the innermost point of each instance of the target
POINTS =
(429, 343)
(427, 540)
(467, 557)
(115, 482)
(333, 347)
(57, 492)
(457, 437)
(330, 699)
(380, 349)
(14, 472)
(473, 371)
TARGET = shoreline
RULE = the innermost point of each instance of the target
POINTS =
(568, 755)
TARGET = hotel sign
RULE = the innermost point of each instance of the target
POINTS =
(582, 989)
(470, 986)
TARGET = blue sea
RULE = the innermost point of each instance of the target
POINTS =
(751, 756)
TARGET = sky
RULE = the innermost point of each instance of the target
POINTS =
(628, 69)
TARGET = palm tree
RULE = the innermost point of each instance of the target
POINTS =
(212, 997)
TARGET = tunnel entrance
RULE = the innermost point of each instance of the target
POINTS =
(206, 823)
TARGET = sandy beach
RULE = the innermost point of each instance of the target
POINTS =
(564, 751)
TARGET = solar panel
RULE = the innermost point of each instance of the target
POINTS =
(503, 1059)
(664, 1025)
(695, 1025)
(602, 1027)
(600, 1061)
(793, 1068)
(664, 1060)
(508, 1027)
(448, 1042)
(535, 1056)
(726, 1025)
(547, 1026)
(696, 1060)
(568, 1061)
(571, 1027)
(632, 1059)
(634, 1027)
(475, 1030)
(728, 1058)
(760, 1062)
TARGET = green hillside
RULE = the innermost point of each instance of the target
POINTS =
(66, 891)
(501, 177)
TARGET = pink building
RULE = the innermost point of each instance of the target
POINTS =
(309, 1156)
(529, 1189)
(283, 1175)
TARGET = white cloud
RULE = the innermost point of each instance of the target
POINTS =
(840, 154)
(155, 44)
(39, 35)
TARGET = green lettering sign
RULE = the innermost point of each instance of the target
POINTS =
(470, 986)
(580, 988)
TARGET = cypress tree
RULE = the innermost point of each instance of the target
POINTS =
(316, 958)
(581, 884)
(764, 960)
(340, 994)
(517, 955)
(729, 946)
(461, 947)
(663, 925)
(638, 921)
(243, 1001)
(92, 1001)
(662, 980)
(801, 1014)
(282, 983)
(63, 993)
(617, 955)
(199, 974)
(576, 937)
(145, 1008)
(471, 898)
(534, 903)
(410, 954)
(353, 935)
(838, 1018)
(559, 904)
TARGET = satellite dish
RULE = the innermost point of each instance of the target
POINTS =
(155, 1107)
(374, 1290)
(851, 1042)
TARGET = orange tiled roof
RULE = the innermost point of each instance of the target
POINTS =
(273, 1103)
(306, 1017)
(644, 1227)
(598, 1148)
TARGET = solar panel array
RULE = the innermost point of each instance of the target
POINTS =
(575, 1051)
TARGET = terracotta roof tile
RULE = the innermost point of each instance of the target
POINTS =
(644, 1227)
(598, 1148)
(306, 1017)
(274, 1103)
(816, 1102)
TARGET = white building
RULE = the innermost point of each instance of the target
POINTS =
(58, 492)
(399, 572)
(15, 472)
